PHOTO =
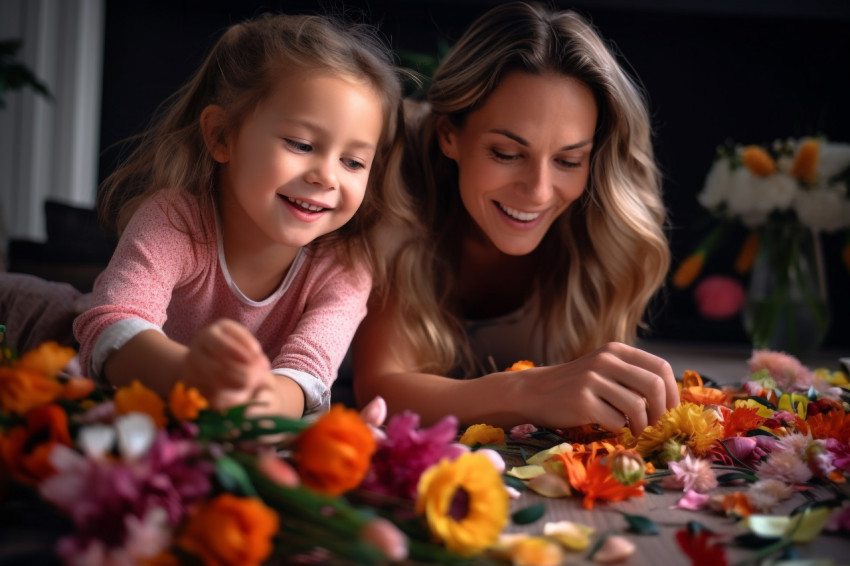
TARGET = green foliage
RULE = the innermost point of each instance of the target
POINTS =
(15, 75)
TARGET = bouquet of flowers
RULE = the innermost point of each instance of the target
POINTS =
(785, 195)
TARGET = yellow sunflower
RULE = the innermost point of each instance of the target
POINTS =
(464, 502)
(687, 426)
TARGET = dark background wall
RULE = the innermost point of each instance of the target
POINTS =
(747, 70)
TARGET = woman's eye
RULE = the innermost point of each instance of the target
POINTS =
(297, 145)
(567, 163)
(503, 156)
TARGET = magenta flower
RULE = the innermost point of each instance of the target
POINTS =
(745, 449)
(786, 370)
(407, 451)
(719, 297)
(840, 452)
(523, 431)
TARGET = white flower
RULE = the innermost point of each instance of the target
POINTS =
(717, 185)
(824, 208)
(753, 198)
(833, 159)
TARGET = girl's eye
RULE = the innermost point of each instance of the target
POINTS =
(297, 145)
(498, 155)
(352, 164)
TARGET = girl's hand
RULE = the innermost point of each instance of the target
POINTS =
(226, 364)
(614, 386)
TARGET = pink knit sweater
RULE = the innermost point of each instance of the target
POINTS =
(160, 275)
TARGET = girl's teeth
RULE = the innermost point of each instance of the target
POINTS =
(305, 205)
(518, 214)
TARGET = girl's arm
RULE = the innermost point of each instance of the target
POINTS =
(602, 387)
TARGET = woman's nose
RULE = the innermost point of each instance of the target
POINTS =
(538, 183)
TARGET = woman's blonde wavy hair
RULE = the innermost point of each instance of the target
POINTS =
(239, 73)
(607, 254)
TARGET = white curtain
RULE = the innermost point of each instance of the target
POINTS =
(49, 148)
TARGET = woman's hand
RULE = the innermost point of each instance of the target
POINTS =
(613, 386)
(226, 364)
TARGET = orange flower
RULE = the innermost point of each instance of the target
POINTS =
(747, 255)
(595, 480)
(26, 450)
(521, 365)
(31, 381)
(739, 421)
(735, 504)
(482, 434)
(834, 424)
(185, 404)
(692, 390)
(139, 399)
(804, 168)
(77, 388)
(758, 161)
(334, 454)
(689, 270)
(230, 531)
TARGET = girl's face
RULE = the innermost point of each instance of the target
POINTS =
(523, 157)
(298, 166)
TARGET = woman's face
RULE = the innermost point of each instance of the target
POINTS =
(523, 157)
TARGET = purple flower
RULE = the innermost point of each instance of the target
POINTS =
(840, 453)
(407, 451)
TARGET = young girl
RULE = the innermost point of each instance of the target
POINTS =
(246, 217)
(540, 237)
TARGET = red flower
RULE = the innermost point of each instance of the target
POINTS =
(698, 546)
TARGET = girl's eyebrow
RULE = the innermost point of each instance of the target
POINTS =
(522, 141)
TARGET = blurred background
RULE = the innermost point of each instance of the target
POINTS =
(747, 70)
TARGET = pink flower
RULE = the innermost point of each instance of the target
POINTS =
(691, 474)
(386, 537)
(692, 501)
(719, 297)
(523, 431)
(786, 370)
(745, 449)
(839, 520)
(407, 451)
(786, 466)
(840, 452)
(766, 493)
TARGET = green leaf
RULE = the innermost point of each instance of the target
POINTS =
(694, 528)
(735, 476)
(653, 487)
(640, 525)
(759, 432)
(529, 514)
(513, 482)
(762, 401)
(233, 476)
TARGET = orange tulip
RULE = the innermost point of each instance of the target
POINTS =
(747, 255)
(804, 168)
(334, 454)
(758, 161)
(26, 449)
(521, 365)
(185, 404)
(230, 531)
(689, 270)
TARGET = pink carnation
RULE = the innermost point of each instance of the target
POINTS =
(523, 431)
(719, 297)
(691, 474)
(786, 370)
(407, 451)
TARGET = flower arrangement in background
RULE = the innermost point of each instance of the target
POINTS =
(785, 195)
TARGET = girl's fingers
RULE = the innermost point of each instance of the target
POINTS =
(625, 403)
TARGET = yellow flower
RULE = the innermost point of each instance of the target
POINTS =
(526, 550)
(689, 270)
(688, 425)
(464, 502)
(758, 161)
(482, 434)
(761, 410)
(185, 404)
(747, 255)
(139, 399)
(804, 168)
(794, 403)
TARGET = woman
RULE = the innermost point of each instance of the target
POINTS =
(538, 236)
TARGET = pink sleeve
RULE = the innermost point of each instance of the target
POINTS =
(154, 253)
(334, 310)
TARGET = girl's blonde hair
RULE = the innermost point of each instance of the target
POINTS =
(602, 260)
(239, 72)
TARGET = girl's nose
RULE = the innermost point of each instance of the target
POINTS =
(322, 173)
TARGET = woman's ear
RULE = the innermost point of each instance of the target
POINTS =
(447, 137)
(215, 138)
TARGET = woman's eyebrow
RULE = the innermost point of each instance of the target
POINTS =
(522, 141)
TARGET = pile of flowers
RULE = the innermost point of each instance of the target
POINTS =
(783, 430)
(129, 478)
(136, 479)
